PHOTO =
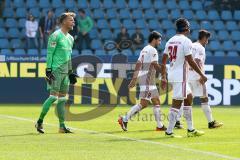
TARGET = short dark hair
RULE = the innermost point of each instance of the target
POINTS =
(82, 11)
(65, 15)
(154, 35)
(203, 33)
(182, 25)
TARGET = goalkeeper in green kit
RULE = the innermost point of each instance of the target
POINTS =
(59, 72)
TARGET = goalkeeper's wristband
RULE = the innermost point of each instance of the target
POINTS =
(48, 69)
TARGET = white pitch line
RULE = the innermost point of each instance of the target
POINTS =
(213, 154)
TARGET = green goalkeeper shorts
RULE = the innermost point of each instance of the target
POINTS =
(60, 84)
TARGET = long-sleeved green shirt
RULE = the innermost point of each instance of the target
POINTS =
(59, 51)
(85, 24)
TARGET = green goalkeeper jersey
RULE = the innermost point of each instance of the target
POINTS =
(59, 51)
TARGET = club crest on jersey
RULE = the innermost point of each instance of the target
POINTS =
(53, 44)
(154, 55)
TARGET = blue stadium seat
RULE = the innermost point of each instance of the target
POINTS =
(98, 14)
(59, 10)
(162, 14)
(201, 15)
(121, 4)
(237, 46)
(137, 14)
(75, 52)
(206, 25)
(131, 31)
(228, 45)
(1, 22)
(218, 25)
(235, 35)
(115, 23)
(31, 4)
(100, 52)
(127, 52)
(226, 15)
(4, 43)
(194, 35)
(19, 52)
(102, 24)
(124, 14)
(93, 34)
(18, 3)
(208, 3)
(214, 45)
(223, 35)
(70, 4)
(188, 14)
(15, 43)
(153, 24)
(21, 22)
(145, 33)
(43, 52)
(209, 54)
(159, 4)
(170, 33)
(171, 4)
(175, 14)
(166, 24)
(22, 33)
(13, 33)
(32, 52)
(7, 3)
(219, 54)
(213, 15)
(232, 25)
(108, 4)
(184, 5)
(197, 5)
(194, 25)
(146, 4)
(6, 52)
(106, 34)
(57, 3)
(8, 12)
(115, 32)
(150, 14)
(3, 33)
(35, 12)
(82, 4)
(140, 23)
(133, 4)
(137, 52)
(21, 13)
(233, 54)
(236, 15)
(44, 4)
(95, 4)
(111, 13)
(86, 52)
(129, 24)
(96, 44)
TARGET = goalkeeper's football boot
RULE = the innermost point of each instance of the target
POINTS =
(194, 133)
(172, 135)
(163, 128)
(122, 124)
(214, 124)
(39, 127)
(178, 125)
(64, 130)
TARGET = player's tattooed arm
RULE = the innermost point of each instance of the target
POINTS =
(163, 71)
(157, 66)
(135, 74)
(199, 63)
(195, 67)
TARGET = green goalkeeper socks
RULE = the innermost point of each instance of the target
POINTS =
(46, 105)
(61, 111)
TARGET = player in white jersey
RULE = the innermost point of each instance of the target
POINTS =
(198, 89)
(145, 73)
(179, 50)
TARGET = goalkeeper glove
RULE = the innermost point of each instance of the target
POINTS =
(72, 77)
(49, 76)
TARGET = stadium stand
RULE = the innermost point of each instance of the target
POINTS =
(110, 15)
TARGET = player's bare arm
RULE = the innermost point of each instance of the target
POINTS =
(135, 74)
(163, 71)
(195, 67)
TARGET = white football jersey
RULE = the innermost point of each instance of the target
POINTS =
(147, 73)
(177, 48)
(198, 52)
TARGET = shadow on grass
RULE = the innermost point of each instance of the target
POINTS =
(25, 134)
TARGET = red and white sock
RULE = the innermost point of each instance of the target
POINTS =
(172, 117)
(157, 115)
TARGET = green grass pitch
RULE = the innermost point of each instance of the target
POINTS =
(102, 138)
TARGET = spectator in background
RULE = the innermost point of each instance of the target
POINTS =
(123, 35)
(31, 26)
(85, 25)
(137, 39)
(46, 27)
(57, 26)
